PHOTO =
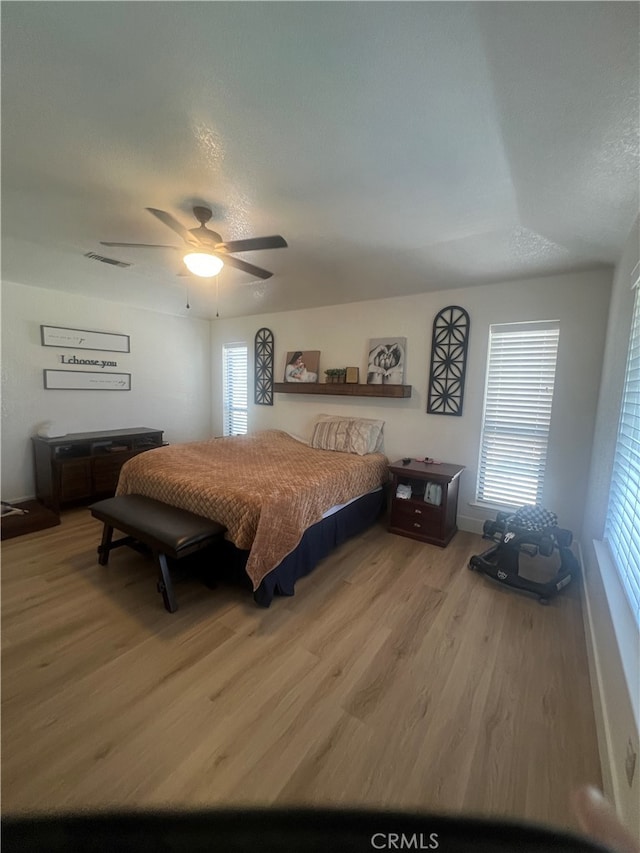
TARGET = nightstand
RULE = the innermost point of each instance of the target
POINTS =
(416, 516)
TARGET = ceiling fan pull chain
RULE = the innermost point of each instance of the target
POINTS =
(188, 306)
(217, 283)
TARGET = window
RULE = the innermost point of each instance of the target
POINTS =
(234, 388)
(517, 412)
(622, 530)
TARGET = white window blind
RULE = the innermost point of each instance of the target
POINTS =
(517, 413)
(622, 530)
(234, 388)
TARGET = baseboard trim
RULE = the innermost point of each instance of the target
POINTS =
(603, 728)
(470, 524)
(611, 634)
(20, 500)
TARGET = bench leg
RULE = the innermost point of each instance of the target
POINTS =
(105, 545)
(165, 586)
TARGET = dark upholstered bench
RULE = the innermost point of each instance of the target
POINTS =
(166, 530)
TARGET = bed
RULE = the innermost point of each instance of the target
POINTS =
(285, 503)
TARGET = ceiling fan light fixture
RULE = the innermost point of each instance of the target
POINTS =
(203, 264)
(207, 253)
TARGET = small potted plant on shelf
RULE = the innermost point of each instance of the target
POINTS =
(336, 374)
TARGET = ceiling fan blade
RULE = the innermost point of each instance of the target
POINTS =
(244, 266)
(171, 222)
(274, 242)
(140, 245)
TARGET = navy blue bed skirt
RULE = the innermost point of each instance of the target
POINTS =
(318, 542)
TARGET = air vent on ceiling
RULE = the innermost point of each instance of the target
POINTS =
(104, 260)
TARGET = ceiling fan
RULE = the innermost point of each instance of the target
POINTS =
(208, 252)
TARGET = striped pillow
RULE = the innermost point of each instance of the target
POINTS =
(347, 435)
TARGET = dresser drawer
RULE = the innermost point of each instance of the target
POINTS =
(74, 479)
(106, 471)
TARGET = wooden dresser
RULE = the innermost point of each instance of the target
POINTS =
(86, 465)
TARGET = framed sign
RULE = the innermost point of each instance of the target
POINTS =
(58, 336)
(86, 380)
(353, 375)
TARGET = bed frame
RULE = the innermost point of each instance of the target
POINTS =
(318, 542)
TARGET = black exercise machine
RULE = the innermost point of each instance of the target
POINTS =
(532, 530)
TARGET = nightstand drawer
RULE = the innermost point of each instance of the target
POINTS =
(414, 517)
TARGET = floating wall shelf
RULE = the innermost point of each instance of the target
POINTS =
(342, 389)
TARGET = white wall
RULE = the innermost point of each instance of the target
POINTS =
(580, 301)
(612, 632)
(169, 365)
(177, 386)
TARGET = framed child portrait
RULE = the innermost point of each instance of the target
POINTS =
(302, 366)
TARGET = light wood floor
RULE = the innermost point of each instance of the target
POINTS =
(394, 678)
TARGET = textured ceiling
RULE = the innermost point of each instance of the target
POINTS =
(398, 147)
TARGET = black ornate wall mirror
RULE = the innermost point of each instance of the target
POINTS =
(449, 343)
(263, 351)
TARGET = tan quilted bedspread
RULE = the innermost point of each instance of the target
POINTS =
(265, 488)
